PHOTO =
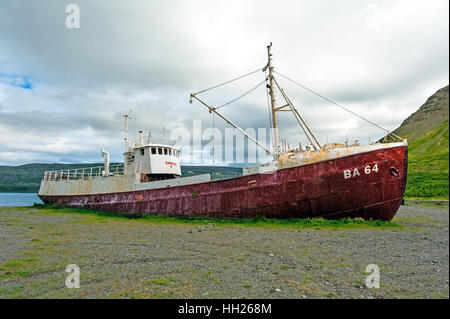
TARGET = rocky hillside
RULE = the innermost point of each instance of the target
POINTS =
(427, 118)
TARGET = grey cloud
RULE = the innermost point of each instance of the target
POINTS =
(381, 59)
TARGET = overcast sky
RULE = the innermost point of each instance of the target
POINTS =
(63, 91)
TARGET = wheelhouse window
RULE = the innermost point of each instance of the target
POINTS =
(142, 151)
(165, 151)
(153, 150)
(170, 151)
(160, 151)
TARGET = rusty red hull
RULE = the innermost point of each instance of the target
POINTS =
(324, 189)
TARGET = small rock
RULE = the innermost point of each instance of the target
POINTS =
(303, 296)
(277, 289)
(271, 255)
(190, 232)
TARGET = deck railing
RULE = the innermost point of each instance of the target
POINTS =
(83, 173)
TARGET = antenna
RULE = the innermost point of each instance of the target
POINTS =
(131, 117)
(126, 116)
(150, 138)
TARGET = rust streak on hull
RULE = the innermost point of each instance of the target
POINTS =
(308, 191)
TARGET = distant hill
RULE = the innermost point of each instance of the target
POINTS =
(427, 131)
(27, 178)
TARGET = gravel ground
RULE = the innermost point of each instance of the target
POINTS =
(125, 258)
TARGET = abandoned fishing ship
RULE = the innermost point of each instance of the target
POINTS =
(329, 181)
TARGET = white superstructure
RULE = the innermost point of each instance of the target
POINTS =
(153, 161)
(146, 165)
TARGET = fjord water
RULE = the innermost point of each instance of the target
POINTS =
(19, 199)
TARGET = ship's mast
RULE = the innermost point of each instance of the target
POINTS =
(288, 107)
(272, 100)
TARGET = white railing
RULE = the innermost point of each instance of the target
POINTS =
(83, 173)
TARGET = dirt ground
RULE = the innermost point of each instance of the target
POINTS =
(133, 258)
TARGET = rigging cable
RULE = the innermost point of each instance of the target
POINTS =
(235, 79)
(342, 107)
(244, 94)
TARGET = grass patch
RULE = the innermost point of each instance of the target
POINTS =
(161, 281)
(316, 223)
(428, 165)
(430, 185)
(17, 268)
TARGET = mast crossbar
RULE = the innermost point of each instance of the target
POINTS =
(299, 118)
(212, 109)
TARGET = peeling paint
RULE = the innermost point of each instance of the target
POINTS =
(302, 189)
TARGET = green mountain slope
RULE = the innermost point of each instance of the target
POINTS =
(427, 131)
